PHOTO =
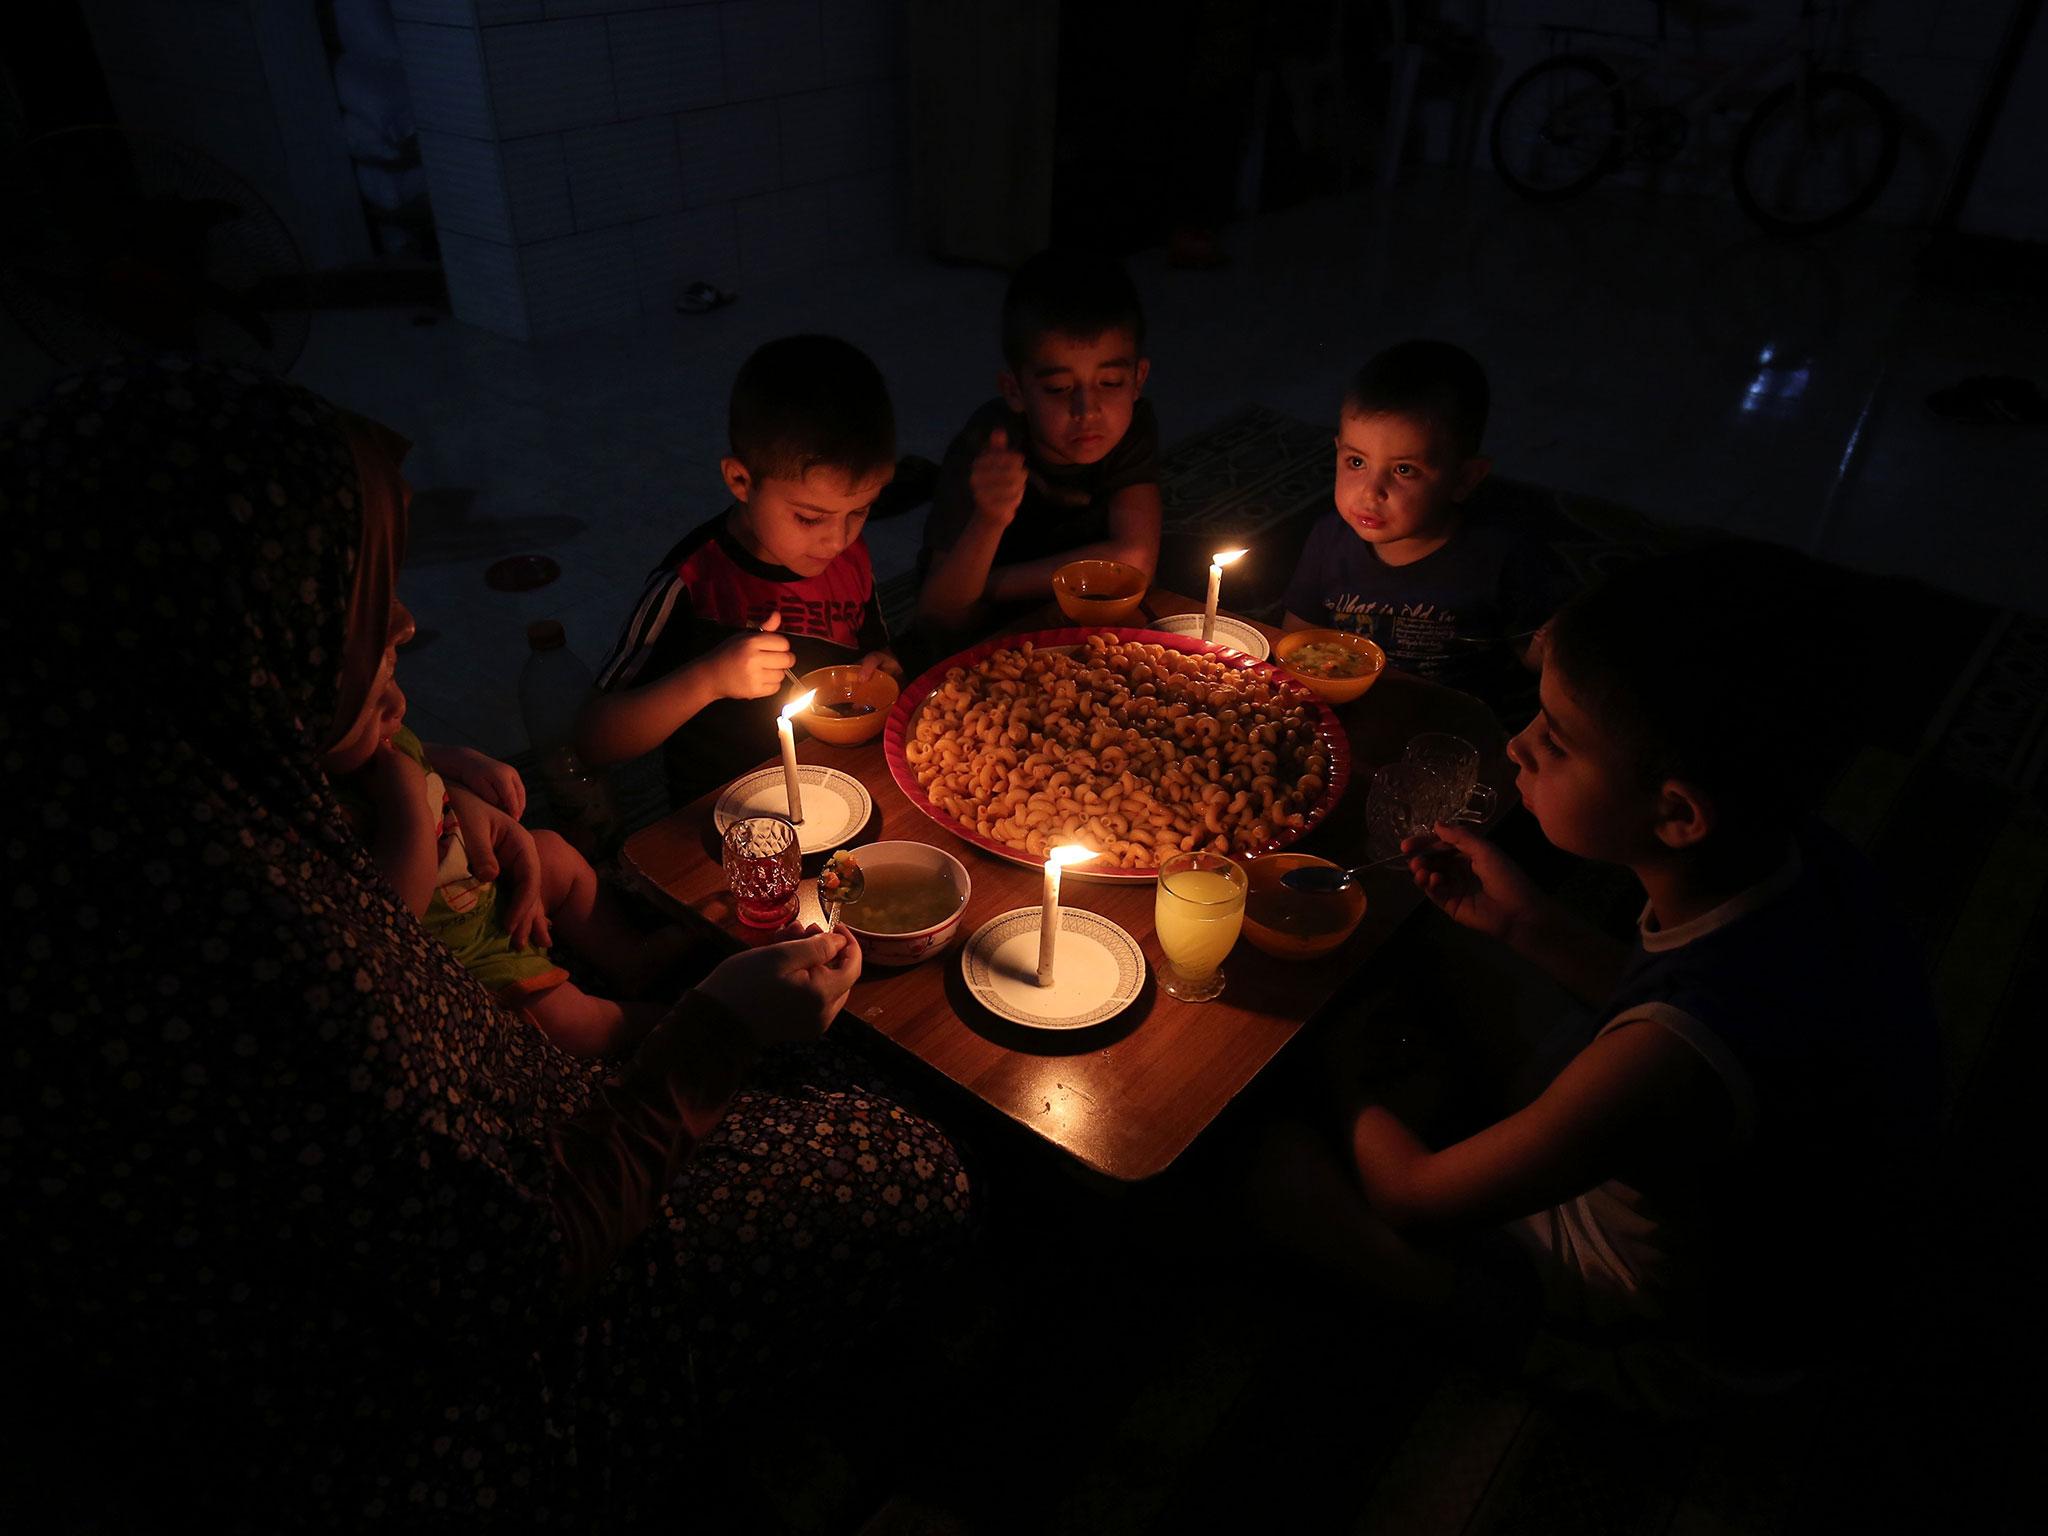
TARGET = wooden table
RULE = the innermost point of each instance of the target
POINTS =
(1125, 1097)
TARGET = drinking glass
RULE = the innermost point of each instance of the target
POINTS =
(1456, 761)
(1406, 798)
(1197, 915)
(763, 863)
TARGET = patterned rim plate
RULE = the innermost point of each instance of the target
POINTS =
(1234, 634)
(1097, 970)
(836, 805)
(1336, 745)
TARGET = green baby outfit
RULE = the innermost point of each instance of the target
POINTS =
(463, 913)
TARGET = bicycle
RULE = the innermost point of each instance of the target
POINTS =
(1813, 153)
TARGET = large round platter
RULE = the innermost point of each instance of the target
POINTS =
(1097, 969)
(903, 717)
(1232, 634)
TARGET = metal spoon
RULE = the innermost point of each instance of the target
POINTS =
(851, 882)
(1319, 881)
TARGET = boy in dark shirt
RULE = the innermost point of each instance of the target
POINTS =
(1698, 1197)
(1062, 466)
(776, 585)
(1449, 588)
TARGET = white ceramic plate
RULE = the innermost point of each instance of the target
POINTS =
(1235, 633)
(836, 805)
(1097, 969)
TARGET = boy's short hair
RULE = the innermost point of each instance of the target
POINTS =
(1442, 384)
(808, 401)
(1068, 293)
(1717, 666)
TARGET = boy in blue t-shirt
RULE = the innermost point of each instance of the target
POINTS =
(1450, 589)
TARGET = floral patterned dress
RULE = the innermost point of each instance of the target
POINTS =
(278, 1175)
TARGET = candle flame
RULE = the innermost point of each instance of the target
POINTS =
(1070, 853)
(798, 705)
(1225, 556)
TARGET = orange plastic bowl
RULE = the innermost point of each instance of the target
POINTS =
(1098, 591)
(843, 685)
(1295, 925)
(1332, 690)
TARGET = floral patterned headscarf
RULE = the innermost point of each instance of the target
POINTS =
(274, 1165)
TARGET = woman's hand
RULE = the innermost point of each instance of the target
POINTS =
(790, 991)
(880, 661)
(502, 850)
(490, 780)
(1471, 881)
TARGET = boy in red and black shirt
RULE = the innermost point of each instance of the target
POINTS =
(779, 583)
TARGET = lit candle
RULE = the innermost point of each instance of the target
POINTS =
(1217, 561)
(1049, 904)
(787, 732)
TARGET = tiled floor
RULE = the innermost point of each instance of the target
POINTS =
(1661, 355)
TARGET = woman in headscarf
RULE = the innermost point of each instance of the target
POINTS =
(306, 1227)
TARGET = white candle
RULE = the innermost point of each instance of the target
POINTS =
(1049, 904)
(1217, 561)
(787, 731)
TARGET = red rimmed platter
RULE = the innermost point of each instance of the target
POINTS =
(1330, 732)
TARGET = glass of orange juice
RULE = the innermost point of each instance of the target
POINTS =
(1198, 913)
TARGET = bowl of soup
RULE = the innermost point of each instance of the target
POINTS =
(1296, 925)
(912, 897)
(1334, 664)
(1098, 591)
(849, 709)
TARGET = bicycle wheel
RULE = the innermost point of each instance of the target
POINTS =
(1809, 159)
(1560, 127)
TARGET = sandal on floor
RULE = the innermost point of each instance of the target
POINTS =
(701, 299)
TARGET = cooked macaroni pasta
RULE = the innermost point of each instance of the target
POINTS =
(1129, 748)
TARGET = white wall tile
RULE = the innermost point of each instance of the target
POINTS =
(867, 214)
(729, 152)
(452, 13)
(496, 13)
(444, 73)
(667, 61)
(468, 186)
(623, 171)
(681, 248)
(599, 7)
(580, 281)
(863, 39)
(824, 134)
(484, 286)
(888, 107)
(772, 47)
(537, 185)
(786, 231)
(1971, 29)
(547, 75)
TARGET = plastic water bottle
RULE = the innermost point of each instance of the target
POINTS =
(552, 688)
